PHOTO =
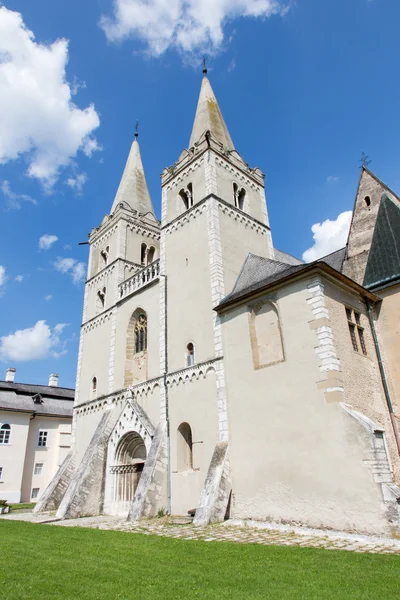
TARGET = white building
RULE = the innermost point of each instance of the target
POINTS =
(216, 372)
(35, 436)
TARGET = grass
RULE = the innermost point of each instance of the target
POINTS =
(47, 562)
(22, 506)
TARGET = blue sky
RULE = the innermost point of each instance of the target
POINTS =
(304, 91)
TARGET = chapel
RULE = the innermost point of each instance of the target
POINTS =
(222, 377)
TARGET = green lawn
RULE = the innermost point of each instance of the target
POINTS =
(23, 506)
(48, 562)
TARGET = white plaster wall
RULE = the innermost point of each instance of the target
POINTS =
(293, 457)
(193, 403)
(190, 314)
(388, 327)
(95, 360)
(237, 240)
(49, 455)
(12, 455)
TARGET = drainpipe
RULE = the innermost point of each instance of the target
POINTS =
(383, 375)
(166, 397)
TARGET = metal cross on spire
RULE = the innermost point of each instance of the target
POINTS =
(204, 65)
(137, 129)
(364, 160)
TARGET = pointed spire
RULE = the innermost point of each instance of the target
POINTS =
(133, 187)
(209, 117)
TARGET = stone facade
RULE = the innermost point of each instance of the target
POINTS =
(207, 383)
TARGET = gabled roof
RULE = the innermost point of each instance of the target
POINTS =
(54, 401)
(286, 258)
(383, 264)
(133, 188)
(259, 272)
(209, 118)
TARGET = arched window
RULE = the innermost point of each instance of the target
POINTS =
(136, 348)
(141, 333)
(143, 252)
(185, 447)
(367, 201)
(5, 432)
(265, 335)
(186, 195)
(151, 255)
(104, 256)
(190, 354)
(101, 299)
(94, 386)
(238, 196)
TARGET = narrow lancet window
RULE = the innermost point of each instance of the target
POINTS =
(143, 254)
(186, 195)
(141, 333)
(190, 354)
(238, 196)
(185, 447)
(151, 255)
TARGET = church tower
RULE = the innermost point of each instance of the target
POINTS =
(213, 214)
(124, 245)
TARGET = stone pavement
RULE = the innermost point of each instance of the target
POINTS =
(250, 532)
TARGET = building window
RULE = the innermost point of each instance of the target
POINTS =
(35, 493)
(38, 469)
(367, 201)
(143, 253)
(1, 473)
(94, 385)
(185, 447)
(186, 195)
(5, 432)
(238, 196)
(266, 335)
(190, 354)
(104, 255)
(42, 439)
(141, 333)
(151, 255)
(356, 330)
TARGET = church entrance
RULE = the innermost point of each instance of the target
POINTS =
(130, 457)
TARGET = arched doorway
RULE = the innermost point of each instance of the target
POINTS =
(130, 457)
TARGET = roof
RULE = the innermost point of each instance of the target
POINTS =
(209, 118)
(284, 257)
(133, 188)
(259, 272)
(383, 264)
(54, 401)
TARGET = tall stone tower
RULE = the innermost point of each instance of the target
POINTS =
(213, 214)
(126, 241)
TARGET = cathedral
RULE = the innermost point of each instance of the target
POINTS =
(221, 377)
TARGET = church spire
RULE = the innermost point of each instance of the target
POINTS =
(133, 188)
(209, 117)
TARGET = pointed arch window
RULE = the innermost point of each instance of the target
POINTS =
(94, 386)
(5, 433)
(141, 333)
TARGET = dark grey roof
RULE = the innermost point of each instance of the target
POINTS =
(54, 401)
(383, 264)
(258, 272)
(284, 257)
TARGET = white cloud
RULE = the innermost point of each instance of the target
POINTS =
(328, 236)
(34, 343)
(3, 276)
(46, 241)
(187, 25)
(37, 115)
(332, 179)
(76, 269)
(48, 297)
(13, 200)
(77, 182)
(19, 278)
